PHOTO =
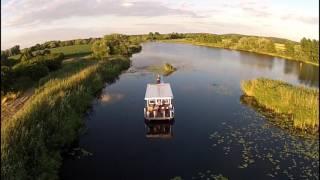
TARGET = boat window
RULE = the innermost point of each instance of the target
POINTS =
(151, 102)
(165, 101)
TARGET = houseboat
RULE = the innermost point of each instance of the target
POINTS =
(158, 99)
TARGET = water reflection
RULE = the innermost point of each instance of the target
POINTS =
(256, 61)
(307, 73)
(110, 98)
(159, 129)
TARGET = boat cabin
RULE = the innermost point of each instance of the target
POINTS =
(158, 99)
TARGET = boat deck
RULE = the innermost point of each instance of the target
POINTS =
(160, 113)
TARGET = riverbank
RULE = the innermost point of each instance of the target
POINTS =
(297, 105)
(32, 139)
(186, 41)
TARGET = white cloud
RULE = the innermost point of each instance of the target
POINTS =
(26, 22)
(127, 4)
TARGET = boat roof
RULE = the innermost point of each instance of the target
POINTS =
(158, 91)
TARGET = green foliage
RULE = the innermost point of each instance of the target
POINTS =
(256, 44)
(74, 50)
(28, 71)
(135, 48)
(115, 44)
(31, 141)
(12, 51)
(5, 61)
(100, 49)
(168, 69)
(176, 178)
(33, 70)
(151, 36)
(310, 49)
(4, 56)
(299, 103)
(165, 69)
(289, 49)
(211, 38)
(307, 50)
(26, 54)
(6, 78)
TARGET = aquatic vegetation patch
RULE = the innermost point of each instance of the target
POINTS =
(286, 155)
(295, 103)
(79, 153)
(282, 121)
(208, 174)
(165, 69)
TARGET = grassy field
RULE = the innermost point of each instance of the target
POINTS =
(277, 46)
(73, 50)
(300, 104)
(32, 139)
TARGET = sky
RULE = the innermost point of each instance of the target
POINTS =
(27, 22)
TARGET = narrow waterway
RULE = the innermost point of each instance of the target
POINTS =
(214, 132)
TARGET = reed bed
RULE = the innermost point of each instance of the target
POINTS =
(32, 140)
(300, 103)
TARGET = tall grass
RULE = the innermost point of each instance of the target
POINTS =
(301, 103)
(31, 141)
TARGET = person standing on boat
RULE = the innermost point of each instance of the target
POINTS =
(158, 79)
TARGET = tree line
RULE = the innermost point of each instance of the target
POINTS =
(115, 44)
(37, 61)
(305, 50)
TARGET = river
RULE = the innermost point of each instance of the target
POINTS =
(214, 132)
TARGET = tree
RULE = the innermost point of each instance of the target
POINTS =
(117, 43)
(4, 56)
(289, 49)
(6, 78)
(13, 51)
(310, 49)
(26, 54)
(150, 36)
(53, 44)
(100, 49)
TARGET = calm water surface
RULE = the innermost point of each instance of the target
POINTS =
(212, 130)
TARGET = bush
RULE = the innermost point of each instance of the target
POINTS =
(53, 61)
(6, 78)
(134, 49)
(33, 70)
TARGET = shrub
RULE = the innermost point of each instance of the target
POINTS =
(6, 78)
(33, 70)
(134, 49)
(53, 61)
